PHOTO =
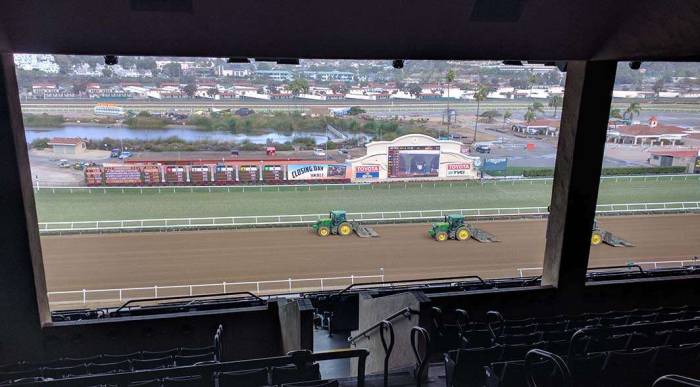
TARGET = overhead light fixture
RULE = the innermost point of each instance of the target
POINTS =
(237, 59)
(111, 60)
(635, 64)
(288, 61)
(397, 64)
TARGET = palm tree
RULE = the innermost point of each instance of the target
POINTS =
(506, 116)
(450, 77)
(480, 95)
(537, 107)
(529, 115)
(631, 110)
(615, 113)
(555, 101)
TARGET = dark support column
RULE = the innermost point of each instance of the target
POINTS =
(21, 267)
(579, 162)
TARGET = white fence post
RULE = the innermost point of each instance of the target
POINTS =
(84, 296)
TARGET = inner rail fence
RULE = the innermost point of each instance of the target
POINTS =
(369, 217)
(68, 187)
(86, 296)
(535, 271)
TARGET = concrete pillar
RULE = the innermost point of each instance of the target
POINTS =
(577, 174)
(23, 299)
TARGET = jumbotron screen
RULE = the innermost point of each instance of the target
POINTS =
(413, 161)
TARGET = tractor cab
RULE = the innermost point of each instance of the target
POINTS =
(454, 221)
(338, 217)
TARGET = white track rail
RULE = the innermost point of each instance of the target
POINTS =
(86, 296)
(377, 217)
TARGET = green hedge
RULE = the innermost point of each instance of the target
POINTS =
(549, 172)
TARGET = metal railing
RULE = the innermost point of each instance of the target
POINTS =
(85, 296)
(641, 265)
(377, 217)
(54, 187)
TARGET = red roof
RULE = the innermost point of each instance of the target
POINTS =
(689, 153)
(65, 141)
(648, 130)
(545, 122)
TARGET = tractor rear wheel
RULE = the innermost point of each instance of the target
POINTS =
(462, 234)
(344, 229)
(324, 231)
(441, 236)
(596, 238)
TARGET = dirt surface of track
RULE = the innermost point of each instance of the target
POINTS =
(403, 251)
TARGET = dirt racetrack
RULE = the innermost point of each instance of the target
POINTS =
(404, 251)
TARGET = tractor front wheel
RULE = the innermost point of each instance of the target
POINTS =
(324, 231)
(344, 229)
(441, 236)
(462, 234)
(596, 238)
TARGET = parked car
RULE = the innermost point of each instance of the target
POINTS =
(482, 148)
(125, 155)
(244, 112)
(235, 152)
(319, 152)
(115, 152)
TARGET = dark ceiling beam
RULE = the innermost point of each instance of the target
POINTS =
(579, 162)
(362, 29)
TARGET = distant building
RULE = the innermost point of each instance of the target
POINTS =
(276, 75)
(538, 128)
(237, 70)
(651, 134)
(67, 146)
(674, 158)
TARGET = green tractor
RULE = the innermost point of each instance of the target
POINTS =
(599, 236)
(454, 227)
(338, 224)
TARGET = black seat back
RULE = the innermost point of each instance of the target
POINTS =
(248, 378)
(292, 374)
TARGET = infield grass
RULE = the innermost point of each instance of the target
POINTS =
(96, 204)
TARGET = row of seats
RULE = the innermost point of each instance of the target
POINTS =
(109, 363)
(499, 360)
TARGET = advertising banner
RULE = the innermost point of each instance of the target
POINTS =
(697, 164)
(367, 172)
(499, 164)
(316, 171)
(455, 170)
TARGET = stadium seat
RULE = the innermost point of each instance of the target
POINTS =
(679, 337)
(313, 383)
(292, 374)
(146, 383)
(184, 381)
(607, 343)
(164, 362)
(63, 372)
(247, 378)
(628, 368)
(676, 381)
(185, 351)
(586, 369)
(159, 354)
(193, 359)
(14, 375)
(683, 360)
(518, 351)
(104, 368)
(109, 358)
(520, 339)
(464, 367)
(478, 338)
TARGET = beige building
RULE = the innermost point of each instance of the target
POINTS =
(414, 157)
(67, 146)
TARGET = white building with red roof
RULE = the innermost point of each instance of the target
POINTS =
(652, 133)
